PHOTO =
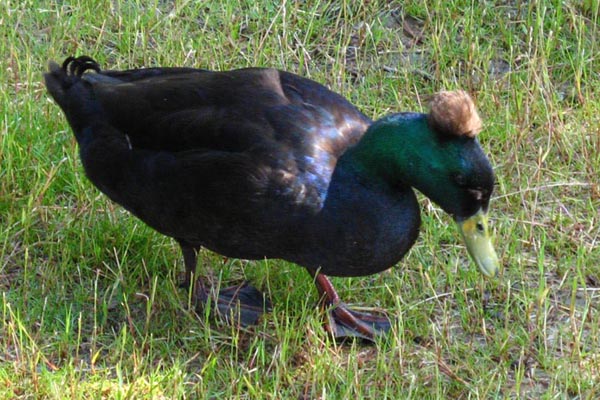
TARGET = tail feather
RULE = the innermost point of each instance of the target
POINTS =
(56, 81)
(72, 93)
(101, 145)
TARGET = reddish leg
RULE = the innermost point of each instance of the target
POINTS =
(344, 322)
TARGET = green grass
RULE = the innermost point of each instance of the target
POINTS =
(89, 305)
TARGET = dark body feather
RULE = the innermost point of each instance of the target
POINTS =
(248, 163)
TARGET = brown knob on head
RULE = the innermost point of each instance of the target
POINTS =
(454, 113)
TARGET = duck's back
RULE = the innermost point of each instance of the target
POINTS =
(178, 109)
(213, 158)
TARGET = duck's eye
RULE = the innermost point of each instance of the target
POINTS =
(460, 180)
(480, 227)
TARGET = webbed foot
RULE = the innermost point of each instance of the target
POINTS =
(343, 322)
(242, 304)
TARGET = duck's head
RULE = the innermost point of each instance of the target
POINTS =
(467, 178)
(438, 154)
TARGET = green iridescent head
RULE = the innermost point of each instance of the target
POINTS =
(439, 155)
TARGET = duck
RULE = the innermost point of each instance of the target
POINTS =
(260, 163)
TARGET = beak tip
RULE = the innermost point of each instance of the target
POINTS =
(491, 270)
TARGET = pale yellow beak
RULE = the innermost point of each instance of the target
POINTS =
(475, 232)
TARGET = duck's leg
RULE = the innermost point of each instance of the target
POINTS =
(241, 304)
(190, 257)
(345, 323)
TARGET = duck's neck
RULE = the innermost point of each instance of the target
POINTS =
(395, 150)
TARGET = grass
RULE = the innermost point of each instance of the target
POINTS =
(89, 303)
